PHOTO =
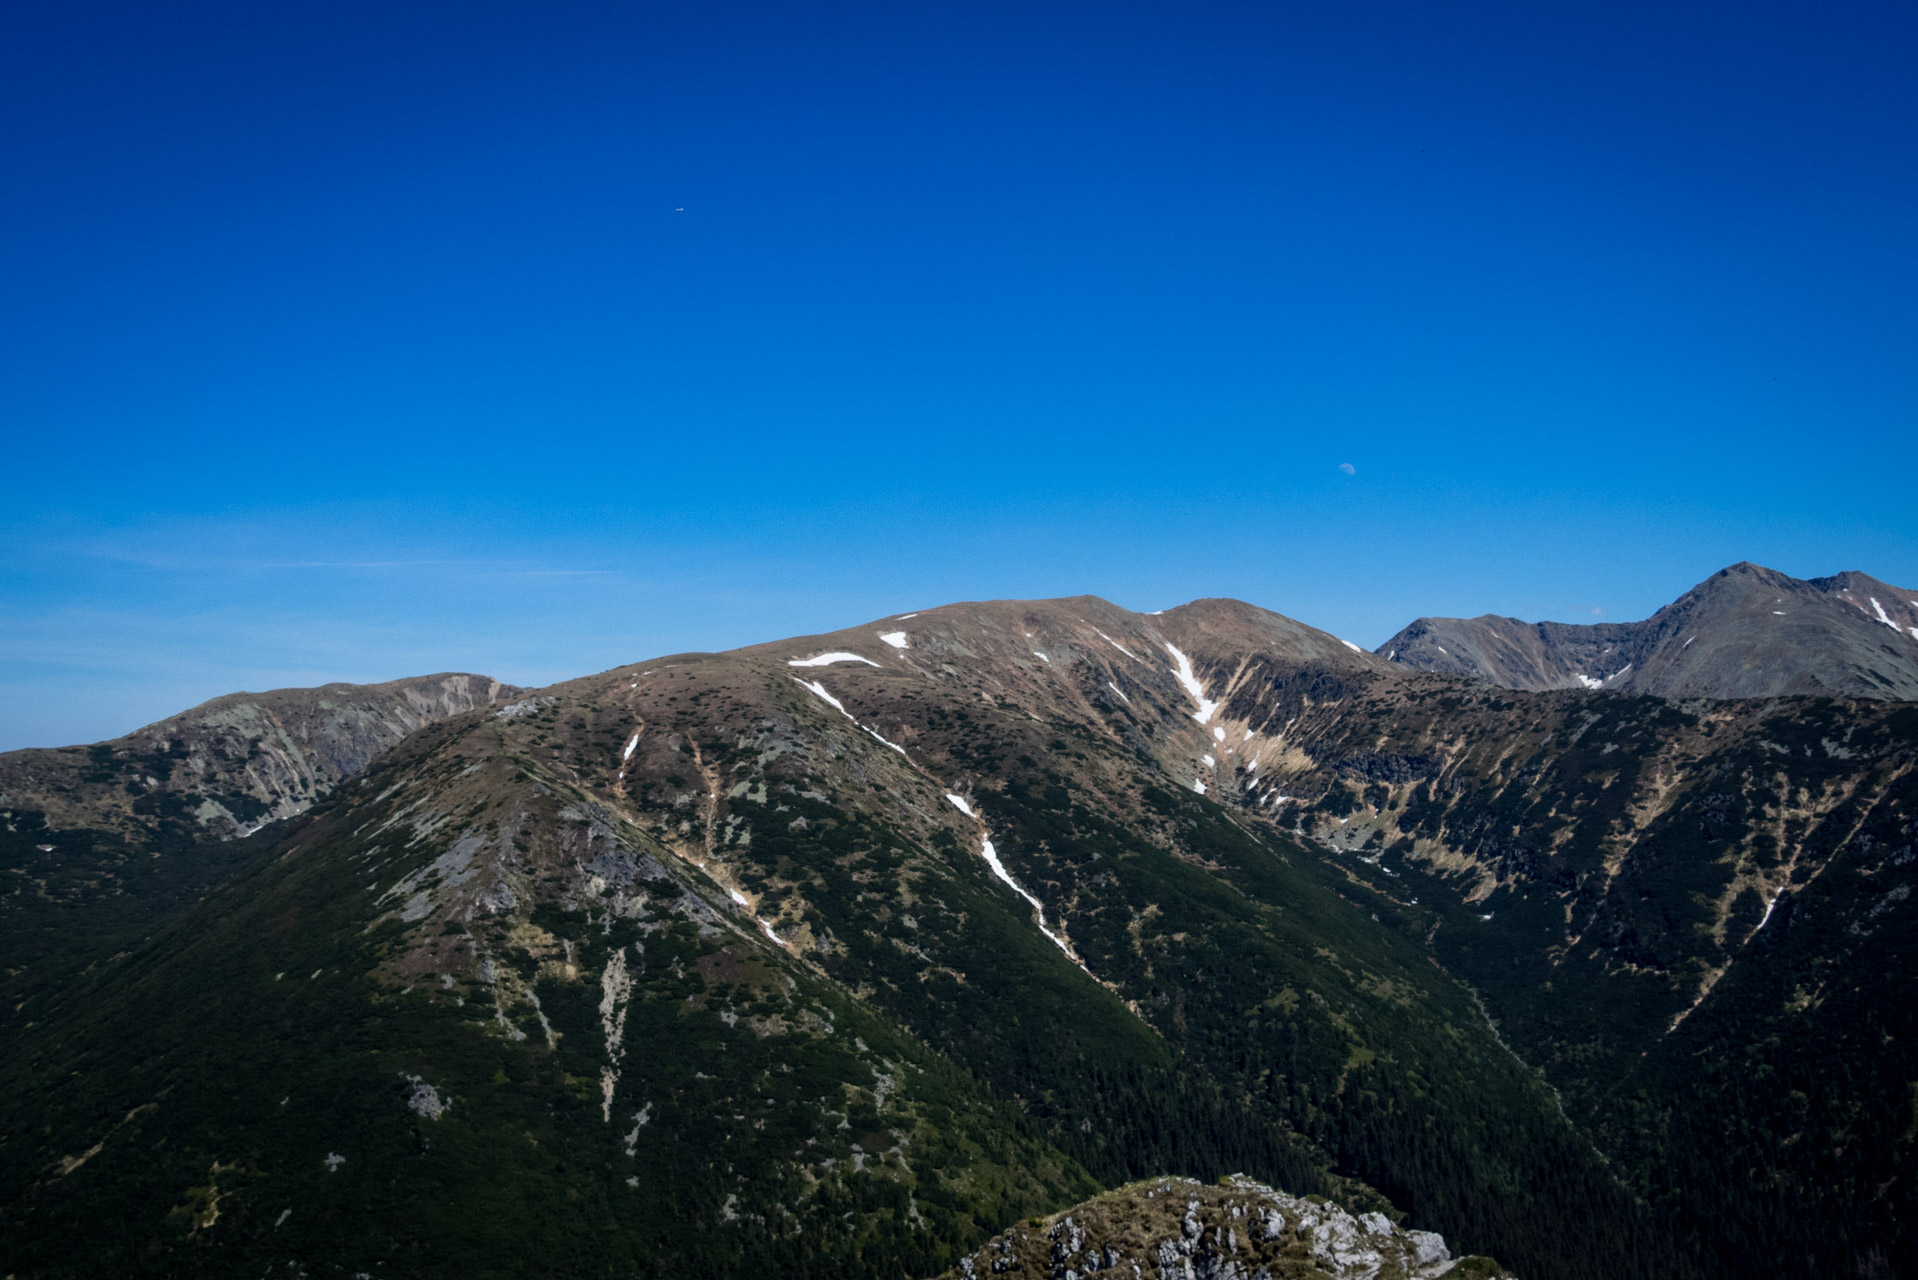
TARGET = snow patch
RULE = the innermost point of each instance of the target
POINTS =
(1218, 735)
(1883, 617)
(1042, 657)
(1121, 692)
(1587, 681)
(959, 803)
(820, 689)
(1183, 673)
(897, 639)
(840, 707)
(1115, 644)
(1210, 763)
(631, 742)
(1348, 644)
(1198, 786)
(827, 659)
(884, 742)
(991, 856)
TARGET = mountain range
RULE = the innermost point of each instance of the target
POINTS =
(849, 954)
(1744, 632)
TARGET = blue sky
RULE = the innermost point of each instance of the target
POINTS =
(350, 341)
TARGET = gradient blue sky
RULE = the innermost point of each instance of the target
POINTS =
(348, 341)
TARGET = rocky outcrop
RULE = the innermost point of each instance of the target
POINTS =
(229, 766)
(1180, 1229)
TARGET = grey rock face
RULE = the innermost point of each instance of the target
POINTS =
(1745, 632)
(1179, 1229)
(232, 765)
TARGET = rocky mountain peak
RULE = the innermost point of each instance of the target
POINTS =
(1745, 632)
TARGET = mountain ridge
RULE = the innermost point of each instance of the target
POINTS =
(1745, 632)
(246, 758)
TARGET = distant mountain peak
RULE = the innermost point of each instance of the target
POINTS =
(1747, 631)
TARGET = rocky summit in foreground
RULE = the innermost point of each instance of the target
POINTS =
(1182, 1229)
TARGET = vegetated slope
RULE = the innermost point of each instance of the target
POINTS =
(325, 1069)
(1745, 632)
(1694, 916)
(1237, 1228)
(93, 838)
(829, 956)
